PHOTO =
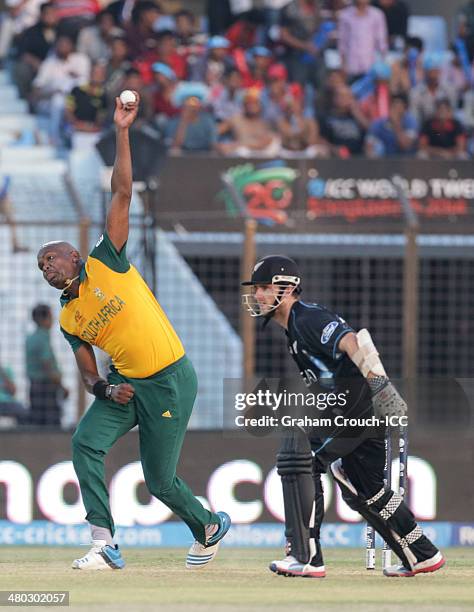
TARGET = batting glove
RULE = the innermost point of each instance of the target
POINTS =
(385, 398)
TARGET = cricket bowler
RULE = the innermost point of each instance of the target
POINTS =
(328, 352)
(152, 383)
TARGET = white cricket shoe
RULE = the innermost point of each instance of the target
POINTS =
(199, 555)
(289, 566)
(100, 557)
(422, 567)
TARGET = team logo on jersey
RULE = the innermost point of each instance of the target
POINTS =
(99, 294)
(328, 331)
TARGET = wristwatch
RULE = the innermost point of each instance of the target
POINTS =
(108, 391)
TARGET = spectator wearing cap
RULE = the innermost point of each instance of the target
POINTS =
(375, 102)
(43, 371)
(274, 93)
(424, 96)
(394, 135)
(58, 74)
(33, 46)
(278, 92)
(396, 16)
(194, 129)
(343, 128)
(86, 108)
(442, 136)
(253, 65)
(362, 37)
(249, 133)
(164, 83)
(299, 133)
(210, 68)
(226, 97)
(94, 40)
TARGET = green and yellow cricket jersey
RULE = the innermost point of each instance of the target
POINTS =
(117, 312)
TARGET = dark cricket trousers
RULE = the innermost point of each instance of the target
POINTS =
(171, 391)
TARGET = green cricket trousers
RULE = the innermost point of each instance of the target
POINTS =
(161, 407)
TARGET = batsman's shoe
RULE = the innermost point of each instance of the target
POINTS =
(422, 567)
(200, 555)
(289, 566)
(100, 557)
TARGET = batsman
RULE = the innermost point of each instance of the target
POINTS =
(152, 383)
(330, 354)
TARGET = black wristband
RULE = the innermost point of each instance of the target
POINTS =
(99, 389)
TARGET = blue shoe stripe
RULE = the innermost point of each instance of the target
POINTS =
(204, 558)
(195, 562)
(224, 527)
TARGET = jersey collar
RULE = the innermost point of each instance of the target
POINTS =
(65, 299)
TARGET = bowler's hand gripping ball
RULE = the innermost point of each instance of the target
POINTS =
(127, 97)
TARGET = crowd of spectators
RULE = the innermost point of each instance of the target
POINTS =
(327, 78)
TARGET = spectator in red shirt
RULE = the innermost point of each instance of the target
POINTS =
(443, 136)
(376, 105)
(253, 65)
(167, 54)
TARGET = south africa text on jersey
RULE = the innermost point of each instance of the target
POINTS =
(102, 319)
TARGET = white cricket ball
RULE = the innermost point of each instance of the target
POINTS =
(127, 97)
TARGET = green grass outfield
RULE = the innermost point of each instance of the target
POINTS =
(155, 579)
